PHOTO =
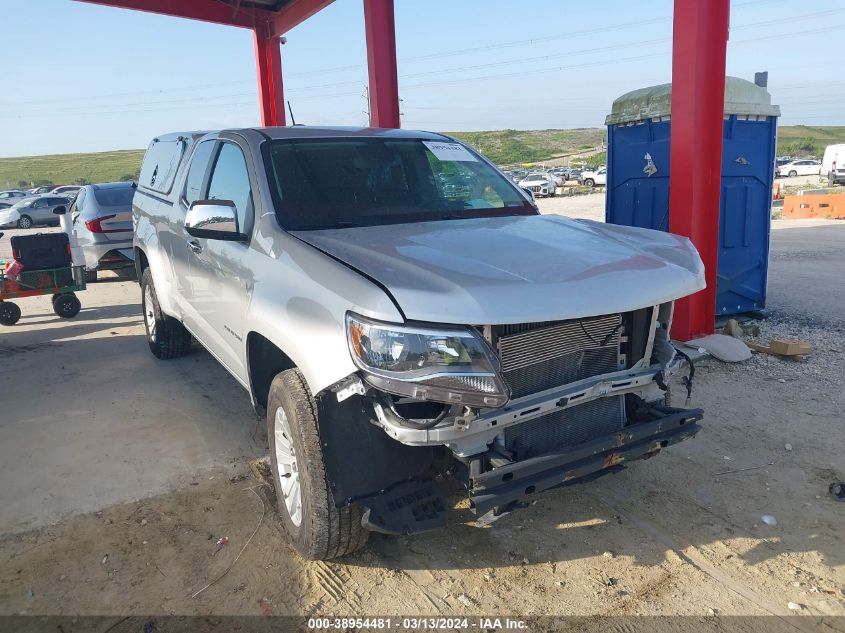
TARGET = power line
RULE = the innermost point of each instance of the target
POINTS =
(206, 98)
(497, 46)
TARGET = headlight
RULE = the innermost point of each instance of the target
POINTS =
(454, 366)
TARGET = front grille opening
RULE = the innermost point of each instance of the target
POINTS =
(539, 356)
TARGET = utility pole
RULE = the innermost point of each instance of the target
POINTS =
(366, 111)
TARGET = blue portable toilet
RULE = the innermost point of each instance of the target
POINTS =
(638, 180)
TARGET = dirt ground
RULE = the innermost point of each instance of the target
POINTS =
(680, 534)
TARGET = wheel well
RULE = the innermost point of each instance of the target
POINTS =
(264, 360)
(141, 263)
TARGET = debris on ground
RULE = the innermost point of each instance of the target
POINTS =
(222, 542)
(782, 347)
(794, 606)
(465, 600)
(768, 519)
(837, 490)
(105, 560)
(725, 348)
(787, 447)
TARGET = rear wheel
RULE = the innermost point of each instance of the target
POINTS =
(317, 528)
(793, 173)
(67, 305)
(590, 182)
(24, 222)
(167, 337)
(10, 313)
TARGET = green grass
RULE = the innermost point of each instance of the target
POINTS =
(513, 147)
(796, 140)
(503, 147)
(65, 169)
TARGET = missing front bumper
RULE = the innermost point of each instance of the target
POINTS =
(418, 505)
(499, 488)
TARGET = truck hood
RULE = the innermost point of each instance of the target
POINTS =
(517, 269)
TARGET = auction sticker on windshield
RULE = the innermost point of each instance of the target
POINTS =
(450, 151)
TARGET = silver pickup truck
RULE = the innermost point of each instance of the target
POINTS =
(401, 313)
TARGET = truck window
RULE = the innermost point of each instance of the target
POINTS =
(197, 172)
(160, 164)
(230, 181)
(343, 182)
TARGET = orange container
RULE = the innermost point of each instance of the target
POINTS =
(824, 206)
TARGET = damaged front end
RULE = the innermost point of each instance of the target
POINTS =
(508, 410)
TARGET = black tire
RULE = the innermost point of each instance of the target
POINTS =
(90, 276)
(66, 305)
(793, 173)
(168, 338)
(10, 313)
(325, 531)
(24, 222)
(590, 182)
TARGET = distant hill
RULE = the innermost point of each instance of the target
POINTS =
(66, 169)
(503, 147)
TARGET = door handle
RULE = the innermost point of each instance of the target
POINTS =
(195, 246)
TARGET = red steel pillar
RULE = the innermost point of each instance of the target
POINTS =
(698, 94)
(268, 61)
(381, 59)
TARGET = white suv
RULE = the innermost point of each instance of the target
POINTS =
(395, 329)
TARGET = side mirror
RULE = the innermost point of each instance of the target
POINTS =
(60, 210)
(529, 193)
(213, 220)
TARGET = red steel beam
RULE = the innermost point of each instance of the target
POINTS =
(381, 60)
(204, 10)
(699, 46)
(268, 61)
(296, 12)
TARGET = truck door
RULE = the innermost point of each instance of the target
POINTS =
(221, 282)
(174, 238)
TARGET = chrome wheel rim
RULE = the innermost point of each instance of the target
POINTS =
(288, 470)
(149, 314)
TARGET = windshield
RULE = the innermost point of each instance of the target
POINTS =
(345, 182)
(115, 196)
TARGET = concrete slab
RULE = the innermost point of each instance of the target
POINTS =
(89, 418)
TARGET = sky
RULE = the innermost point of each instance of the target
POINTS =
(78, 77)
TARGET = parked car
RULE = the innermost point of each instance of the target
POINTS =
(540, 184)
(102, 222)
(9, 217)
(591, 178)
(833, 164)
(66, 190)
(393, 336)
(800, 167)
(37, 191)
(12, 194)
(37, 210)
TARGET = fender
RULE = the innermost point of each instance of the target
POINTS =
(300, 301)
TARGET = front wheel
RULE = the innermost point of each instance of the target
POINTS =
(10, 313)
(590, 182)
(166, 336)
(25, 222)
(317, 528)
(793, 173)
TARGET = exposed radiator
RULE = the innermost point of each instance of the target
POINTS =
(538, 356)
